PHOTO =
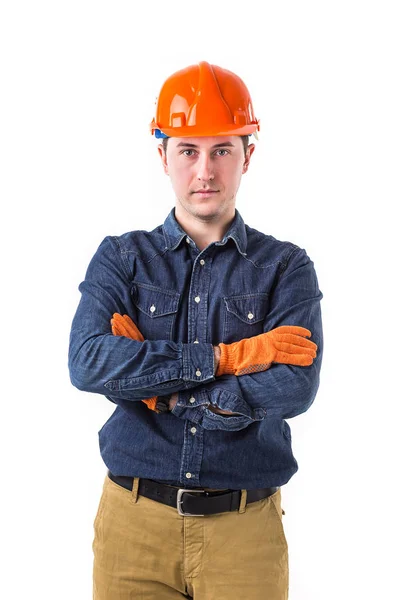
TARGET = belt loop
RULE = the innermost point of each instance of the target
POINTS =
(243, 500)
(135, 489)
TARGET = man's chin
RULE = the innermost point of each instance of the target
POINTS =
(206, 213)
(206, 209)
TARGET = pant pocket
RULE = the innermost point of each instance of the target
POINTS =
(277, 510)
(99, 513)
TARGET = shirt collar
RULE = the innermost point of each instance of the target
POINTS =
(174, 233)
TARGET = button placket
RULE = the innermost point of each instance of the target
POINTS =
(192, 454)
(200, 280)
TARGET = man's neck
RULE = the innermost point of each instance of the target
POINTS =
(203, 233)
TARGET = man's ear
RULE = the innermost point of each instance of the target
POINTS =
(161, 152)
(249, 152)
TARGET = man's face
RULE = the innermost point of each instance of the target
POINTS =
(205, 172)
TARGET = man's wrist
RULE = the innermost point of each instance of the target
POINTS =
(217, 357)
(173, 400)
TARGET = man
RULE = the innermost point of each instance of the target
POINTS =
(198, 331)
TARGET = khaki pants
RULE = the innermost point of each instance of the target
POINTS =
(144, 549)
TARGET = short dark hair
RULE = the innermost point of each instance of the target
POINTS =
(245, 140)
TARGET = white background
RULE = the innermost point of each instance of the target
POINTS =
(78, 88)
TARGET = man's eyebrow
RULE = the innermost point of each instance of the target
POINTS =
(187, 145)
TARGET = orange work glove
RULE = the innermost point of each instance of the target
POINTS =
(285, 344)
(123, 325)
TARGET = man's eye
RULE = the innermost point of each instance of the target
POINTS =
(222, 150)
(187, 151)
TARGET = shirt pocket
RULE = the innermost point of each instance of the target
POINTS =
(157, 309)
(244, 315)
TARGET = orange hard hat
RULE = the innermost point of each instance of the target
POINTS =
(204, 100)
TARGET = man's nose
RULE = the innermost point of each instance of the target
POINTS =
(205, 170)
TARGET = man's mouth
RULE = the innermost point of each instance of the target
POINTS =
(205, 192)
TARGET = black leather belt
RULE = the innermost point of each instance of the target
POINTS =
(188, 501)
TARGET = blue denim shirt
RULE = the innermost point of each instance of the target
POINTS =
(184, 301)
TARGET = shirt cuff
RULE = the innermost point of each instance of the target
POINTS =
(192, 405)
(198, 365)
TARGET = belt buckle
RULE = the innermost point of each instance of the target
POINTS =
(179, 501)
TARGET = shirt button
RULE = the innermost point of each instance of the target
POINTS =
(202, 262)
(250, 315)
(192, 399)
(197, 299)
(193, 429)
(188, 475)
(188, 240)
(196, 342)
(198, 373)
(152, 308)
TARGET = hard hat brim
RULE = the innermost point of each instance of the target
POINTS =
(194, 131)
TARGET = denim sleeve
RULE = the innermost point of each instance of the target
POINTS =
(117, 366)
(283, 391)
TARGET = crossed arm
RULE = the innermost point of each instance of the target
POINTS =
(285, 344)
(100, 362)
(284, 394)
(283, 391)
